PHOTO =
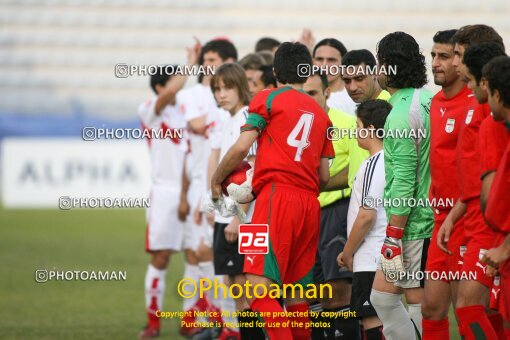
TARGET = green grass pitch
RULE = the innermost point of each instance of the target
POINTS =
(87, 239)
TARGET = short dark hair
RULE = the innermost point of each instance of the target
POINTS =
(251, 61)
(268, 77)
(477, 55)
(358, 57)
(399, 49)
(286, 60)
(444, 37)
(266, 44)
(497, 72)
(373, 112)
(224, 48)
(336, 44)
(234, 77)
(161, 77)
(473, 34)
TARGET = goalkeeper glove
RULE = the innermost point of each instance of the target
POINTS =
(392, 259)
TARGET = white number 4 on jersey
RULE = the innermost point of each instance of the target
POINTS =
(303, 125)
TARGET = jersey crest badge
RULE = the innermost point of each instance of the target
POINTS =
(450, 125)
(469, 116)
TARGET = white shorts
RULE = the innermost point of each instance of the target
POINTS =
(196, 233)
(164, 230)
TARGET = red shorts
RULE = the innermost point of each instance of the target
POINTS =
(438, 260)
(481, 238)
(504, 293)
(293, 216)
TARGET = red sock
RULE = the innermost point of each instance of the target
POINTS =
(266, 304)
(507, 333)
(474, 323)
(496, 321)
(436, 329)
(302, 332)
(153, 319)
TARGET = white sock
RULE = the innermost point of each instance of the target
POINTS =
(394, 316)
(154, 288)
(415, 314)
(191, 271)
(207, 272)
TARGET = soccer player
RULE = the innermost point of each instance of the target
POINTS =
(493, 135)
(202, 115)
(361, 86)
(334, 202)
(493, 140)
(230, 88)
(497, 74)
(366, 221)
(251, 64)
(292, 161)
(406, 163)
(267, 77)
(472, 296)
(328, 53)
(165, 233)
(447, 110)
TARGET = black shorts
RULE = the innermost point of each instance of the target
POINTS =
(360, 295)
(332, 238)
(227, 260)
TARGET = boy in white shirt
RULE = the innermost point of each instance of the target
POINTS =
(366, 218)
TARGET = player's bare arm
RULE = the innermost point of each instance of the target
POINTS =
(184, 208)
(232, 230)
(443, 235)
(339, 181)
(232, 158)
(362, 225)
(214, 160)
(398, 221)
(198, 125)
(486, 186)
(323, 172)
(177, 82)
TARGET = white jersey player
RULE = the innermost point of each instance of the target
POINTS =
(165, 233)
(202, 115)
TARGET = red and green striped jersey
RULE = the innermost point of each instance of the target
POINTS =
(292, 138)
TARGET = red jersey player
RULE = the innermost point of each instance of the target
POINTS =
(292, 161)
(497, 215)
(447, 110)
(473, 293)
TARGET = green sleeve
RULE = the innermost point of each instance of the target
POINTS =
(404, 159)
(254, 122)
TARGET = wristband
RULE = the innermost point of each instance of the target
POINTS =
(395, 232)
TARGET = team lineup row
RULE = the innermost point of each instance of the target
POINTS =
(312, 190)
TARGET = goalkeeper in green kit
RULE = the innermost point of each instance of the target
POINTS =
(406, 157)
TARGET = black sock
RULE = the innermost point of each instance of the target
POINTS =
(329, 331)
(344, 327)
(374, 333)
(247, 331)
(318, 333)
